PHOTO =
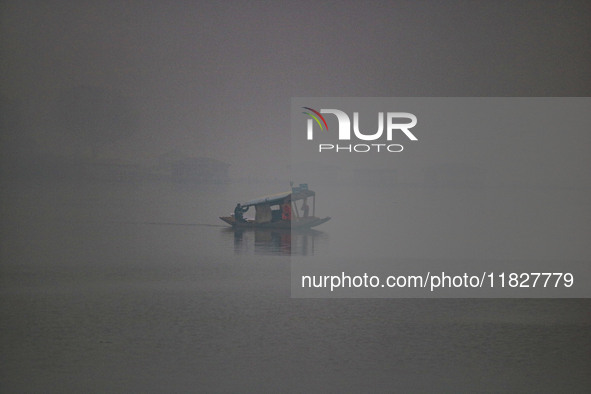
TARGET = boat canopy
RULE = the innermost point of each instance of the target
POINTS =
(270, 199)
(297, 193)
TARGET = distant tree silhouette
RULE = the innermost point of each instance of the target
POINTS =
(96, 116)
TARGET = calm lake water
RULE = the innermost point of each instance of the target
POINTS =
(110, 287)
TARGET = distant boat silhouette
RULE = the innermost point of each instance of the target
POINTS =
(278, 211)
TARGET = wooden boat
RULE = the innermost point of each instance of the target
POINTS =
(271, 211)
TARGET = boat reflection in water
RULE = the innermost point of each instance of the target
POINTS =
(274, 241)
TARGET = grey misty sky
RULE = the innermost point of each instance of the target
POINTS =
(215, 79)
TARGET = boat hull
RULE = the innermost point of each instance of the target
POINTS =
(282, 224)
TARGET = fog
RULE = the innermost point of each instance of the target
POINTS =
(214, 80)
(128, 128)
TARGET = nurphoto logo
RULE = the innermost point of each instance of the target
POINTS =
(397, 123)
